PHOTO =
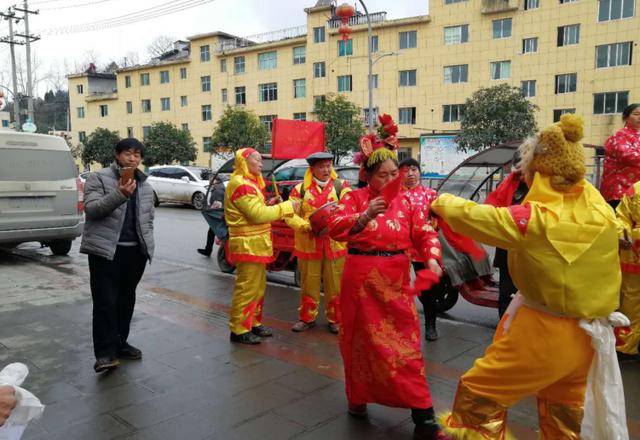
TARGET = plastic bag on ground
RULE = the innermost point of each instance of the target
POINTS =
(28, 406)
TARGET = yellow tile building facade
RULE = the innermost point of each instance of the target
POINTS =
(566, 55)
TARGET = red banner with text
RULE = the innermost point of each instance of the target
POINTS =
(296, 139)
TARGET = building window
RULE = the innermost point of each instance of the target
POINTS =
(345, 48)
(164, 76)
(531, 4)
(267, 121)
(145, 131)
(562, 2)
(206, 112)
(615, 9)
(104, 110)
(317, 100)
(223, 93)
(299, 88)
(456, 34)
(241, 95)
(610, 103)
(183, 73)
(500, 70)
(344, 83)
(456, 74)
(528, 88)
(205, 83)
(183, 101)
(566, 83)
(452, 112)
(268, 92)
(223, 65)
(80, 90)
(5, 123)
(374, 43)
(319, 70)
(129, 107)
(82, 136)
(407, 78)
(530, 45)
(374, 81)
(268, 60)
(145, 105)
(611, 55)
(299, 55)
(568, 35)
(80, 111)
(129, 132)
(502, 28)
(407, 115)
(408, 40)
(165, 104)
(374, 115)
(318, 34)
(127, 81)
(450, 2)
(206, 144)
(300, 116)
(185, 126)
(238, 65)
(205, 56)
(144, 79)
(561, 111)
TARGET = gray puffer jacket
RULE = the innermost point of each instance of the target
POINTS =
(105, 207)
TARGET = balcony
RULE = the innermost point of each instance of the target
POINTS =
(267, 37)
(496, 6)
(356, 20)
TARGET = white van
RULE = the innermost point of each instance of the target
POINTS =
(41, 197)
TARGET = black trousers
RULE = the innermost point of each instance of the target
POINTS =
(211, 237)
(428, 298)
(113, 290)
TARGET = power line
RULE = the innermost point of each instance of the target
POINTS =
(76, 6)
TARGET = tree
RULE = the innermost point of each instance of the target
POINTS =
(99, 147)
(493, 115)
(343, 125)
(238, 128)
(166, 144)
(160, 45)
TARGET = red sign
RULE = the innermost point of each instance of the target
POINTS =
(296, 139)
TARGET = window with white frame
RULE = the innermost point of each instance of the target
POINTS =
(562, 111)
(407, 78)
(374, 115)
(238, 65)
(183, 101)
(146, 129)
(80, 89)
(452, 112)
(204, 53)
(104, 110)
(456, 34)
(502, 28)
(408, 40)
(318, 34)
(317, 100)
(531, 4)
(144, 79)
(206, 144)
(528, 88)
(268, 60)
(205, 83)
(267, 121)
(165, 104)
(615, 9)
(80, 111)
(344, 83)
(164, 76)
(183, 73)
(450, 2)
(127, 81)
(223, 65)
(374, 43)
(530, 45)
(566, 83)
(205, 110)
(185, 126)
(129, 106)
(302, 116)
(374, 81)
(610, 102)
(241, 95)
(145, 105)
(268, 92)
(129, 132)
(345, 48)
(223, 94)
(319, 70)
(407, 115)
(82, 136)
(568, 35)
(299, 88)
(500, 69)
(562, 2)
(456, 74)
(299, 55)
(616, 54)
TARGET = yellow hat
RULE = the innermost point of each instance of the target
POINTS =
(556, 152)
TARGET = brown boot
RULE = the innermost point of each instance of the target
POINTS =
(302, 326)
(334, 327)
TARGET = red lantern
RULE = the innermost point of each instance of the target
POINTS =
(345, 31)
(345, 11)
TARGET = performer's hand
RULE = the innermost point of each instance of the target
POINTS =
(296, 205)
(376, 206)
(434, 267)
(7, 402)
(274, 200)
(625, 244)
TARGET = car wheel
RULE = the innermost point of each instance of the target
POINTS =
(156, 202)
(60, 247)
(448, 298)
(198, 201)
(223, 264)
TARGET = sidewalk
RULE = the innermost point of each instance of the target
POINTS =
(192, 383)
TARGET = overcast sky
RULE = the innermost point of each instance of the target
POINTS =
(238, 17)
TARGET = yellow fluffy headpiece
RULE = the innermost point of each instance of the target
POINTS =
(556, 152)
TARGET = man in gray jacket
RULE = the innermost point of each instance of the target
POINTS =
(118, 236)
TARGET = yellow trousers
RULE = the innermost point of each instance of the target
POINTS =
(248, 297)
(312, 274)
(630, 306)
(540, 354)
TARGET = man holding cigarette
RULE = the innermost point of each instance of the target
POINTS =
(118, 236)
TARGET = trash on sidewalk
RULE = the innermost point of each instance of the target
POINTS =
(28, 406)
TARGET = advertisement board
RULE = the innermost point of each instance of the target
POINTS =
(439, 154)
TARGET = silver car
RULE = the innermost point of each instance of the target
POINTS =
(179, 184)
(41, 197)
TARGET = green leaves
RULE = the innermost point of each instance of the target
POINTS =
(100, 147)
(343, 122)
(238, 128)
(166, 144)
(493, 115)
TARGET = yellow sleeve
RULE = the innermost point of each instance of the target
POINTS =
(257, 212)
(296, 222)
(484, 223)
(624, 214)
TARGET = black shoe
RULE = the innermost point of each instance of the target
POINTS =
(245, 338)
(262, 331)
(126, 351)
(358, 411)
(334, 328)
(105, 364)
(204, 252)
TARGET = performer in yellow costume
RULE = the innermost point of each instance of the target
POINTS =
(563, 257)
(629, 217)
(249, 220)
(320, 259)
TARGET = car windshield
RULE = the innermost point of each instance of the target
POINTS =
(268, 165)
(200, 172)
(19, 164)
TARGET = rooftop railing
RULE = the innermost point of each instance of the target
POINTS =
(376, 17)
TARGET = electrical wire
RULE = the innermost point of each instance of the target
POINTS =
(75, 6)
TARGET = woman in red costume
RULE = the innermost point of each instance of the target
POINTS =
(380, 331)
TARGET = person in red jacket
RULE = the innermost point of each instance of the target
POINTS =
(622, 157)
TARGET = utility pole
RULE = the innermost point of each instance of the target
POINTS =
(10, 16)
(28, 39)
